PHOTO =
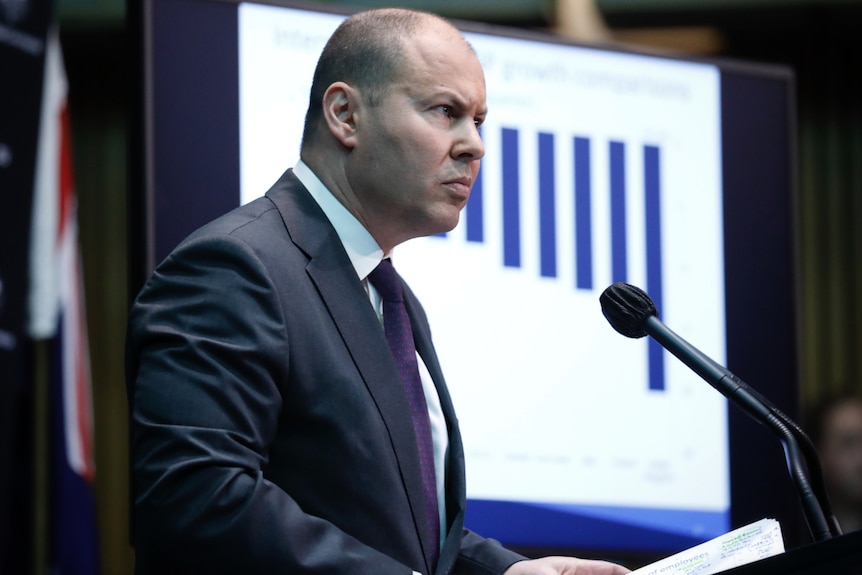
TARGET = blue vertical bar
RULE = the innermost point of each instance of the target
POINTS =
(619, 257)
(547, 208)
(511, 200)
(652, 207)
(583, 216)
(474, 215)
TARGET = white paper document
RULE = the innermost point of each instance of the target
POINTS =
(741, 546)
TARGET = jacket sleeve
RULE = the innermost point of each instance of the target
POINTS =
(483, 556)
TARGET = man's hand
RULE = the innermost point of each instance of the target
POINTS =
(565, 566)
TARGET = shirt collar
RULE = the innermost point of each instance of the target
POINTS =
(360, 245)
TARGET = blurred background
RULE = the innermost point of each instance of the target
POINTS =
(817, 38)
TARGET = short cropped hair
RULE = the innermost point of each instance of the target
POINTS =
(365, 51)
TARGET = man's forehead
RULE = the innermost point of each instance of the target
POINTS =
(455, 89)
(441, 53)
(438, 60)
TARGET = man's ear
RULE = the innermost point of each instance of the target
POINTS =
(340, 106)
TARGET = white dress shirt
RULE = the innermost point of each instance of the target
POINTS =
(365, 254)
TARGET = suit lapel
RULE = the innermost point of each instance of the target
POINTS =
(330, 270)
(422, 337)
(456, 489)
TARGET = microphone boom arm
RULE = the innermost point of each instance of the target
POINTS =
(749, 401)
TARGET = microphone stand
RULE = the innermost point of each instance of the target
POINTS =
(815, 501)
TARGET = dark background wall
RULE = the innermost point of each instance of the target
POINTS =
(816, 38)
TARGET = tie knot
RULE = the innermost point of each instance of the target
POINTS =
(386, 281)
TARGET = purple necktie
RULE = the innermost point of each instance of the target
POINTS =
(399, 333)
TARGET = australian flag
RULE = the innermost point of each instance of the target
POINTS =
(56, 314)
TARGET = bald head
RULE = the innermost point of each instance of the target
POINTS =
(367, 51)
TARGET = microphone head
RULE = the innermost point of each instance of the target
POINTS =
(627, 308)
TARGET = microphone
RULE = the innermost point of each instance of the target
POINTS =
(632, 313)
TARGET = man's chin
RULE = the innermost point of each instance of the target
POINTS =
(448, 224)
(441, 221)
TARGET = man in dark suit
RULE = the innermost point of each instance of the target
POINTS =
(270, 429)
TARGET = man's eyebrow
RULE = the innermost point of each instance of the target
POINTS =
(465, 105)
(458, 99)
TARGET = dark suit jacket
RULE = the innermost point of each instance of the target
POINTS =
(270, 433)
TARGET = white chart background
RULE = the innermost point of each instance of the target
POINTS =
(553, 404)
